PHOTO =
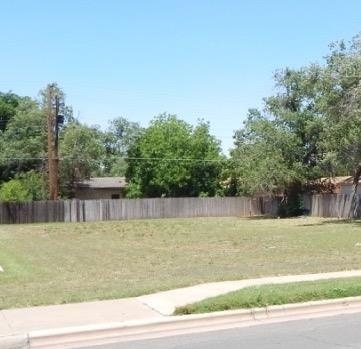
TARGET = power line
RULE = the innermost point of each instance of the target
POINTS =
(23, 127)
(23, 158)
(174, 159)
(120, 158)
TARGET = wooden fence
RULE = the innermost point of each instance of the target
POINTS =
(331, 205)
(326, 205)
(101, 210)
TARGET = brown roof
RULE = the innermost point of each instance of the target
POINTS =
(103, 182)
(337, 180)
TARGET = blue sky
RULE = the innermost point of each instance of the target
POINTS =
(197, 59)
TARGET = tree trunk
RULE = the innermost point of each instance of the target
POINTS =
(354, 196)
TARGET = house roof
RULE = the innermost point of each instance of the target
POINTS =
(338, 180)
(103, 182)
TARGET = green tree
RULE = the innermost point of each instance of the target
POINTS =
(339, 102)
(120, 136)
(277, 151)
(172, 158)
(81, 151)
(8, 105)
(311, 127)
(22, 143)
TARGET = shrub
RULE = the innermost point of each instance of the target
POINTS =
(14, 190)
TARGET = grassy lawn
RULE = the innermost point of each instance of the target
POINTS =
(261, 296)
(71, 262)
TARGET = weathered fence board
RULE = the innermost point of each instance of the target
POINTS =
(329, 205)
(332, 205)
(30, 212)
(101, 210)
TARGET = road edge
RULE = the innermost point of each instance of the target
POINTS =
(16, 341)
(175, 325)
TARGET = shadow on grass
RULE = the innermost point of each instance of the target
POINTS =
(257, 218)
(353, 222)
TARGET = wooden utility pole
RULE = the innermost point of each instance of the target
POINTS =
(56, 156)
(52, 110)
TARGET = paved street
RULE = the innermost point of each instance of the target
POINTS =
(332, 332)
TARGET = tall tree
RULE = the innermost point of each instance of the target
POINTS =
(172, 158)
(120, 136)
(339, 102)
(8, 105)
(81, 151)
(277, 150)
(311, 127)
(22, 143)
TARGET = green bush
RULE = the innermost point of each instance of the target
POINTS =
(27, 186)
(133, 191)
(14, 190)
(34, 183)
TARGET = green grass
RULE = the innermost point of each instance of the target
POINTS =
(266, 295)
(72, 262)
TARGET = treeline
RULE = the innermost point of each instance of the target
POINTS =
(168, 158)
(310, 128)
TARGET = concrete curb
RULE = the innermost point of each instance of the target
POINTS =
(124, 331)
(20, 341)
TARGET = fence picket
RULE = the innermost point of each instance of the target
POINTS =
(326, 205)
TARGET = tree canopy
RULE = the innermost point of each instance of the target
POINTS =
(22, 142)
(310, 128)
(172, 158)
(8, 104)
(81, 153)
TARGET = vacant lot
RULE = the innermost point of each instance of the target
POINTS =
(60, 263)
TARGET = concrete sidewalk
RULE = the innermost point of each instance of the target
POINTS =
(166, 302)
(151, 308)
(15, 321)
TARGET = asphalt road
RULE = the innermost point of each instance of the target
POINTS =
(343, 331)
